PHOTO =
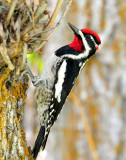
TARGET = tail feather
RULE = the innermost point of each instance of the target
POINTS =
(38, 142)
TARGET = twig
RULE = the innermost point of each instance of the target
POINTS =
(39, 27)
(3, 49)
(41, 8)
(55, 13)
(14, 3)
(5, 56)
(35, 17)
(87, 131)
(17, 27)
(38, 32)
(56, 27)
(25, 50)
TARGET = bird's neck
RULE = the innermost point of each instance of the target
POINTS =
(77, 44)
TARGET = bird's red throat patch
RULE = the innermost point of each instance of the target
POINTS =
(77, 44)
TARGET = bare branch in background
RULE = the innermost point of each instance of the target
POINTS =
(55, 13)
(57, 25)
(87, 131)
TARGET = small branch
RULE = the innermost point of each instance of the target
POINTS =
(87, 131)
(38, 30)
(41, 8)
(56, 27)
(14, 3)
(35, 17)
(55, 13)
(17, 28)
(3, 49)
(5, 56)
(25, 50)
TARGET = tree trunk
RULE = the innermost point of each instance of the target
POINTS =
(12, 98)
(23, 28)
(19, 35)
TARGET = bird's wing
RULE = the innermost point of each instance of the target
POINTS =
(65, 79)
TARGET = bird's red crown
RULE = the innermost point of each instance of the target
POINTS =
(88, 31)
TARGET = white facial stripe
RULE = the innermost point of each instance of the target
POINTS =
(83, 54)
(86, 45)
(61, 76)
(93, 40)
(80, 56)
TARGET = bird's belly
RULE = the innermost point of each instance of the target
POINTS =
(43, 98)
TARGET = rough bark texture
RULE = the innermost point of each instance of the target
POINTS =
(23, 27)
(20, 33)
(12, 99)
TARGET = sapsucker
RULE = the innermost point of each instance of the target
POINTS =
(58, 77)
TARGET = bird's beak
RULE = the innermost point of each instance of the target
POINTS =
(76, 30)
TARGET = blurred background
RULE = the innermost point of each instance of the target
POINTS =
(92, 123)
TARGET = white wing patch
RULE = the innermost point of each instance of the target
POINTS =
(61, 76)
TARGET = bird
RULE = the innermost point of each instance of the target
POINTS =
(58, 77)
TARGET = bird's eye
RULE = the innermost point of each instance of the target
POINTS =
(87, 36)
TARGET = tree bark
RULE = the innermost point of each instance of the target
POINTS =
(16, 40)
(23, 28)
(12, 98)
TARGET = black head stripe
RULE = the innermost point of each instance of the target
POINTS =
(96, 40)
(90, 42)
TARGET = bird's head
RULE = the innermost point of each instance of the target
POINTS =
(85, 40)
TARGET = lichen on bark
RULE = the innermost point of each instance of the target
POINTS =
(14, 45)
(23, 29)
(12, 99)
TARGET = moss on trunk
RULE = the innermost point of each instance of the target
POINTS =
(12, 98)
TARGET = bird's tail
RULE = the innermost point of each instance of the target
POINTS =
(40, 142)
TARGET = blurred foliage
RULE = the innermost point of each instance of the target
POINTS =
(35, 59)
